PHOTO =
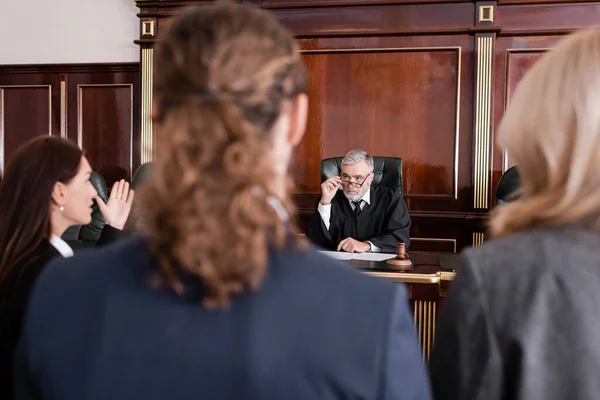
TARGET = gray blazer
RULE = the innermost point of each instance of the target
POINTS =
(522, 320)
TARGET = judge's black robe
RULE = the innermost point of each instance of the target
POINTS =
(384, 222)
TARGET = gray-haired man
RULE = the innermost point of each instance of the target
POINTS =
(359, 218)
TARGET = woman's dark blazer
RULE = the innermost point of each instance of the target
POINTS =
(14, 296)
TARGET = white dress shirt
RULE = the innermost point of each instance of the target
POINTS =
(61, 246)
(325, 212)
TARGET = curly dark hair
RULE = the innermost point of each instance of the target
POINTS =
(223, 74)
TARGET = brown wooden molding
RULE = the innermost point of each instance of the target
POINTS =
(279, 4)
(539, 2)
(540, 32)
(68, 68)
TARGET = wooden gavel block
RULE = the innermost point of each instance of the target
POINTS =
(401, 261)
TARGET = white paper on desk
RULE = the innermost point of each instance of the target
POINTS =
(373, 256)
(338, 255)
(342, 255)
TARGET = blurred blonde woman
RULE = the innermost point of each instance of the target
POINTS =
(219, 299)
(521, 321)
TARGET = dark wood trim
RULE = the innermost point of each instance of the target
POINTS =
(69, 68)
(538, 2)
(540, 32)
(274, 5)
(270, 4)
(485, 29)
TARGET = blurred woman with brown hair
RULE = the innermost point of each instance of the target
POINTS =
(521, 319)
(46, 189)
(220, 299)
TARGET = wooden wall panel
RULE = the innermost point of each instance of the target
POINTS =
(103, 120)
(399, 103)
(386, 19)
(514, 55)
(105, 128)
(433, 244)
(29, 106)
(385, 75)
(274, 4)
(17, 105)
(406, 96)
(547, 18)
(94, 105)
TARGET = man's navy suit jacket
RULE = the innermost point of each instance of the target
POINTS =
(315, 329)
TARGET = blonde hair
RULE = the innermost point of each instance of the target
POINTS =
(551, 129)
(223, 73)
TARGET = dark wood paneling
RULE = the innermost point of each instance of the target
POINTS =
(514, 55)
(433, 244)
(541, 2)
(29, 106)
(272, 4)
(25, 112)
(393, 96)
(108, 127)
(522, 19)
(380, 20)
(400, 103)
(384, 78)
(103, 124)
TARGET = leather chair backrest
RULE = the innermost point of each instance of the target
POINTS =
(387, 171)
(90, 232)
(142, 174)
(135, 222)
(508, 186)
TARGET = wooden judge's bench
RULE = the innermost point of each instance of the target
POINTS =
(427, 282)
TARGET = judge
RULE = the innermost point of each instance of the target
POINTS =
(359, 218)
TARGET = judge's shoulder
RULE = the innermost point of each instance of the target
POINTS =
(386, 193)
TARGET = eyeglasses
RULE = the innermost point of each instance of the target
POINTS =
(348, 182)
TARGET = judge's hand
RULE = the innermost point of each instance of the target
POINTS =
(116, 211)
(354, 246)
(329, 189)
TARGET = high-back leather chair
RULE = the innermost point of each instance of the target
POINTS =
(387, 171)
(142, 174)
(508, 186)
(81, 236)
(135, 222)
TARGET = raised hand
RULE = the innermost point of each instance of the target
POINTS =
(329, 189)
(116, 210)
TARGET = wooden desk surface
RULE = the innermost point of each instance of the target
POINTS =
(427, 268)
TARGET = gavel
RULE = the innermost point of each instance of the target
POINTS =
(402, 260)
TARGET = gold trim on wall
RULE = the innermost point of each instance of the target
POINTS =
(482, 13)
(2, 127)
(483, 103)
(63, 109)
(148, 26)
(506, 88)
(478, 238)
(80, 114)
(147, 140)
(407, 49)
(424, 314)
(419, 239)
